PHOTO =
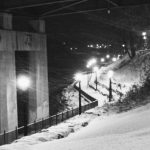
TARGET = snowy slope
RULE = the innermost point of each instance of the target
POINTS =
(112, 131)
(127, 73)
(126, 131)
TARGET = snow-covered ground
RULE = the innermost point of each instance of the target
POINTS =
(125, 131)
(102, 128)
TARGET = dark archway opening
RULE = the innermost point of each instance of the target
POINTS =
(22, 68)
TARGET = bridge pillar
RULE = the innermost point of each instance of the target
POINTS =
(35, 45)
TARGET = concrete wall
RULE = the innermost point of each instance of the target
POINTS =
(35, 44)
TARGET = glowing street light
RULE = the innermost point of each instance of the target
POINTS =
(107, 56)
(110, 74)
(114, 59)
(102, 60)
(91, 62)
(78, 77)
(123, 45)
(23, 82)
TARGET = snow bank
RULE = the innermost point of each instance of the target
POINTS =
(124, 131)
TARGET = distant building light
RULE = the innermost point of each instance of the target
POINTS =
(144, 37)
(64, 43)
(144, 33)
(123, 45)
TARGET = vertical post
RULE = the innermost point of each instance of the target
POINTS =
(96, 81)
(79, 97)
(72, 112)
(16, 133)
(110, 90)
(56, 119)
(34, 126)
(42, 123)
(50, 120)
(4, 137)
(62, 119)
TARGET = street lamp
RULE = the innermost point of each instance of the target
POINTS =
(107, 56)
(95, 69)
(110, 74)
(91, 62)
(114, 59)
(78, 77)
(102, 59)
(23, 83)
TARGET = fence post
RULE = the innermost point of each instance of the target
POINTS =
(34, 126)
(72, 112)
(4, 137)
(16, 133)
(67, 114)
(49, 120)
(56, 119)
(42, 123)
(62, 117)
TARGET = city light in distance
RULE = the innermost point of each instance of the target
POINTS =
(144, 33)
(123, 45)
(98, 46)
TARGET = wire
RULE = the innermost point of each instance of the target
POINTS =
(67, 6)
(40, 4)
(91, 10)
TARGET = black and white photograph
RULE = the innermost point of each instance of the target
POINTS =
(74, 74)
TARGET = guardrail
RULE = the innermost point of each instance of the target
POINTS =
(36, 126)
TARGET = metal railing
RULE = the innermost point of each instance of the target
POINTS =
(36, 126)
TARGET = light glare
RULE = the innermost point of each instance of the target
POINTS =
(107, 56)
(23, 82)
(144, 33)
(95, 69)
(114, 59)
(102, 59)
(110, 73)
(78, 76)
